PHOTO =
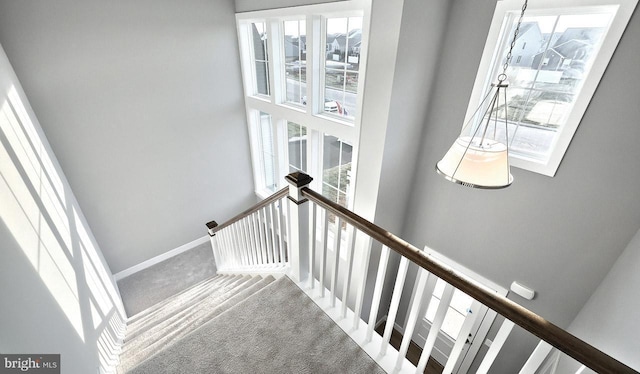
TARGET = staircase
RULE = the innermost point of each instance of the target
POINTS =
(239, 324)
(293, 300)
(165, 323)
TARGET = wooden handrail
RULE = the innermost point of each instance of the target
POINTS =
(213, 227)
(528, 320)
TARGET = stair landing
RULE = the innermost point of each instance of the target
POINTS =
(276, 330)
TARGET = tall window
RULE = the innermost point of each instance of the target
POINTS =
(303, 69)
(297, 147)
(343, 40)
(336, 169)
(295, 60)
(260, 57)
(268, 152)
(559, 56)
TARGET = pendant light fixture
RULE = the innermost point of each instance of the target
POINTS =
(478, 158)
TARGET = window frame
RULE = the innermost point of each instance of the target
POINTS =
(491, 55)
(311, 115)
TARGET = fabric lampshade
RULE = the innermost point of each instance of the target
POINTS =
(476, 165)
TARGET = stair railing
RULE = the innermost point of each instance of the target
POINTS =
(254, 239)
(316, 262)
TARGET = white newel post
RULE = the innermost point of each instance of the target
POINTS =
(298, 226)
(214, 243)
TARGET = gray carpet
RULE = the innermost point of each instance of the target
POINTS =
(171, 322)
(277, 330)
(143, 289)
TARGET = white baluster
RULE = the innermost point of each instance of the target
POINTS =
(362, 282)
(414, 314)
(434, 330)
(243, 242)
(232, 257)
(225, 247)
(263, 244)
(377, 292)
(247, 240)
(347, 277)
(496, 346)
(287, 226)
(336, 261)
(252, 238)
(323, 258)
(280, 232)
(216, 250)
(461, 340)
(267, 236)
(312, 246)
(272, 228)
(259, 238)
(236, 244)
(537, 358)
(395, 303)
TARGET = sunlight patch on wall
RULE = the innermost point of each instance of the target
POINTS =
(96, 287)
(26, 152)
(24, 218)
(101, 283)
(34, 137)
(95, 316)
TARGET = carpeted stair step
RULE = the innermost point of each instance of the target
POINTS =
(177, 301)
(158, 338)
(279, 329)
(182, 303)
(196, 287)
(158, 326)
(146, 345)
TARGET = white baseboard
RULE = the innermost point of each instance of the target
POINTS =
(152, 261)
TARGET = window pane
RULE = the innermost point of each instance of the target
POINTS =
(551, 60)
(267, 152)
(453, 323)
(456, 313)
(336, 168)
(295, 52)
(297, 137)
(342, 62)
(461, 301)
(259, 38)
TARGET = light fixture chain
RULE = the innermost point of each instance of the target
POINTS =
(502, 77)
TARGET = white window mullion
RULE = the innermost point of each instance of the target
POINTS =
(253, 117)
(320, 90)
(275, 59)
(315, 156)
(281, 145)
(246, 57)
(315, 39)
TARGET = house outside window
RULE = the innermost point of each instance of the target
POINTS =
(563, 49)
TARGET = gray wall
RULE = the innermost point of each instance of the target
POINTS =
(609, 317)
(142, 102)
(57, 293)
(421, 31)
(558, 235)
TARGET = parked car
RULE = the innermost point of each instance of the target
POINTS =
(330, 106)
